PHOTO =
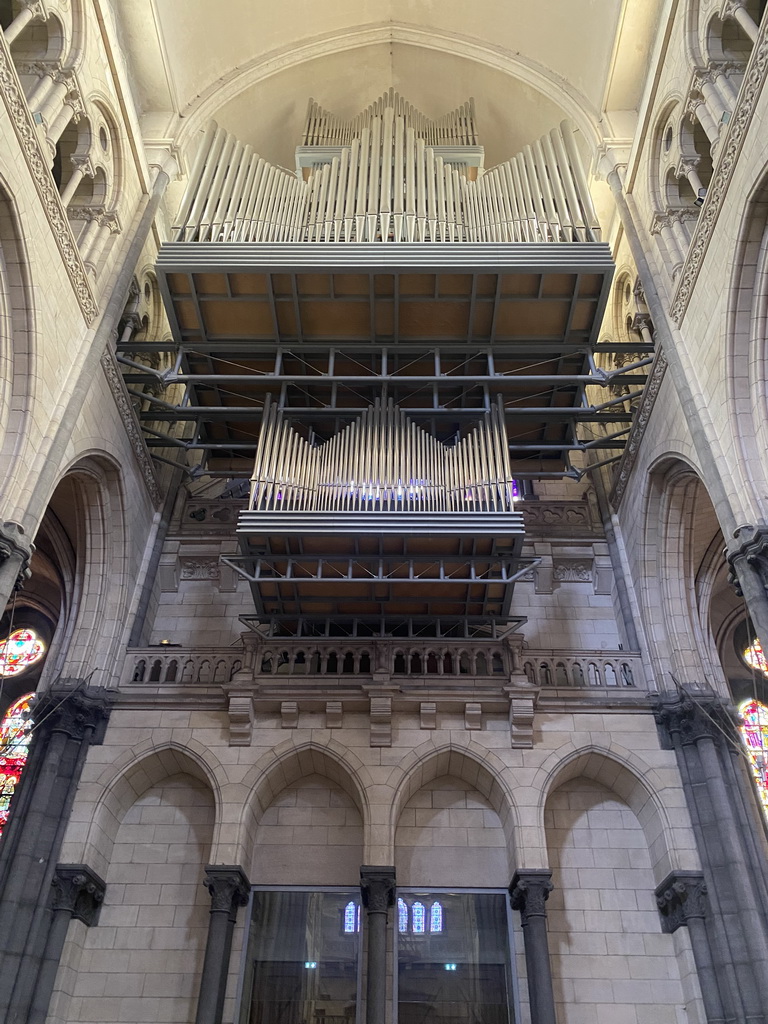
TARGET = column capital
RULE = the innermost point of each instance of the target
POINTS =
(689, 715)
(14, 545)
(75, 710)
(78, 890)
(377, 885)
(681, 897)
(228, 886)
(529, 891)
(749, 544)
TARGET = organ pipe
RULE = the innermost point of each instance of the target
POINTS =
(382, 461)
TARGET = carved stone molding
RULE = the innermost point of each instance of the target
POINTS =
(228, 887)
(131, 424)
(572, 570)
(529, 892)
(199, 568)
(680, 897)
(639, 425)
(738, 125)
(38, 161)
(377, 886)
(79, 890)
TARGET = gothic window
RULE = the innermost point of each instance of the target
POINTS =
(436, 918)
(754, 732)
(418, 918)
(15, 734)
(351, 918)
(402, 916)
(20, 650)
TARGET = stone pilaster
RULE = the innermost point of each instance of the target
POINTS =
(528, 893)
(377, 886)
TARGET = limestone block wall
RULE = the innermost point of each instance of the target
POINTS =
(594, 798)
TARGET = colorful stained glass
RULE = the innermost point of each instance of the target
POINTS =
(402, 916)
(755, 658)
(754, 732)
(419, 918)
(436, 917)
(15, 734)
(20, 650)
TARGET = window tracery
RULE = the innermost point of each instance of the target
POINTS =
(20, 650)
(754, 733)
(15, 735)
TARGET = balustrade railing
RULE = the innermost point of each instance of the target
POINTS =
(408, 659)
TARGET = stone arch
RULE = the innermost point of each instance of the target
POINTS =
(607, 848)
(622, 773)
(665, 148)
(286, 765)
(746, 349)
(680, 525)
(477, 766)
(89, 501)
(17, 336)
(43, 39)
(117, 794)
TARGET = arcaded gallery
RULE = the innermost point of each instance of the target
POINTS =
(384, 526)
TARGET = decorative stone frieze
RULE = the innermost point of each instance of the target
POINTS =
(572, 570)
(130, 422)
(199, 568)
(730, 150)
(681, 896)
(38, 163)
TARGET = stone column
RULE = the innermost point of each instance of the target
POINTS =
(68, 720)
(16, 554)
(528, 892)
(736, 9)
(731, 839)
(229, 889)
(30, 10)
(77, 893)
(377, 885)
(682, 900)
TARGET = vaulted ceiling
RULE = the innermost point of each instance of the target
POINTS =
(253, 66)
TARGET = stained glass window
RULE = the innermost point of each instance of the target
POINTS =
(402, 915)
(754, 732)
(350, 918)
(20, 650)
(419, 918)
(755, 658)
(15, 734)
(436, 917)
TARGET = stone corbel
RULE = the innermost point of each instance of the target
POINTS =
(428, 715)
(240, 709)
(602, 579)
(334, 714)
(289, 714)
(473, 715)
(381, 720)
(522, 709)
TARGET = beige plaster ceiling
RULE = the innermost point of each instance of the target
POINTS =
(253, 66)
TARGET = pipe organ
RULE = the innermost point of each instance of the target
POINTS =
(389, 175)
(375, 392)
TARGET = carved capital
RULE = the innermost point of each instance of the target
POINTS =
(77, 711)
(78, 890)
(377, 886)
(681, 897)
(15, 546)
(641, 322)
(529, 892)
(686, 717)
(228, 887)
(749, 545)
